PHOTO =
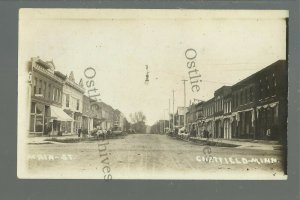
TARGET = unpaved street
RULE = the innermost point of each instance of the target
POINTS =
(147, 156)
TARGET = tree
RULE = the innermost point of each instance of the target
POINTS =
(137, 117)
(138, 121)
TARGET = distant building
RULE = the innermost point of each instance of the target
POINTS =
(180, 116)
(191, 118)
(119, 119)
(107, 115)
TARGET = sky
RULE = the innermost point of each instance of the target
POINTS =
(119, 44)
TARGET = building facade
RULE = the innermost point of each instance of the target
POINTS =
(253, 108)
(209, 120)
(260, 104)
(72, 103)
(46, 114)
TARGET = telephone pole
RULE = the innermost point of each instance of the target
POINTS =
(173, 110)
(169, 116)
(184, 118)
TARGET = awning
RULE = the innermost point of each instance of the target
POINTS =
(58, 114)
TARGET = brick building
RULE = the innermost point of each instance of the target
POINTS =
(254, 108)
(260, 104)
(46, 114)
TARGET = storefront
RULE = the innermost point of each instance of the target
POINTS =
(37, 119)
(58, 121)
(209, 125)
(227, 127)
(219, 127)
(268, 124)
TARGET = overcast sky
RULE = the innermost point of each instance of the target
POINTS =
(118, 45)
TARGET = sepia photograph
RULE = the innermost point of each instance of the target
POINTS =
(162, 94)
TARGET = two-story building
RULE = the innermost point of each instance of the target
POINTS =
(219, 110)
(72, 103)
(260, 104)
(208, 112)
(200, 118)
(46, 114)
(191, 118)
(180, 116)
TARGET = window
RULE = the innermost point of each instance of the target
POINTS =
(32, 107)
(34, 85)
(49, 91)
(222, 104)
(40, 87)
(45, 89)
(246, 96)
(59, 96)
(37, 117)
(241, 97)
(77, 104)
(274, 81)
(53, 94)
(274, 84)
(251, 94)
(67, 100)
(56, 97)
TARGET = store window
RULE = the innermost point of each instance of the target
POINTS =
(39, 123)
(37, 118)
(32, 122)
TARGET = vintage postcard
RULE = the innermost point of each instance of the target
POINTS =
(152, 94)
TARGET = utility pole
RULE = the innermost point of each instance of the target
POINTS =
(164, 121)
(184, 122)
(169, 116)
(173, 110)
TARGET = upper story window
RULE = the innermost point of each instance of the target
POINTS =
(251, 94)
(40, 87)
(274, 84)
(34, 85)
(49, 91)
(246, 96)
(53, 94)
(77, 104)
(274, 80)
(241, 98)
(45, 89)
(67, 100)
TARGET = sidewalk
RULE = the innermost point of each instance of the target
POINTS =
(242, 143)
(41, 139)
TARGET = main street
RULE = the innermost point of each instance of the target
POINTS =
(145, 156)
